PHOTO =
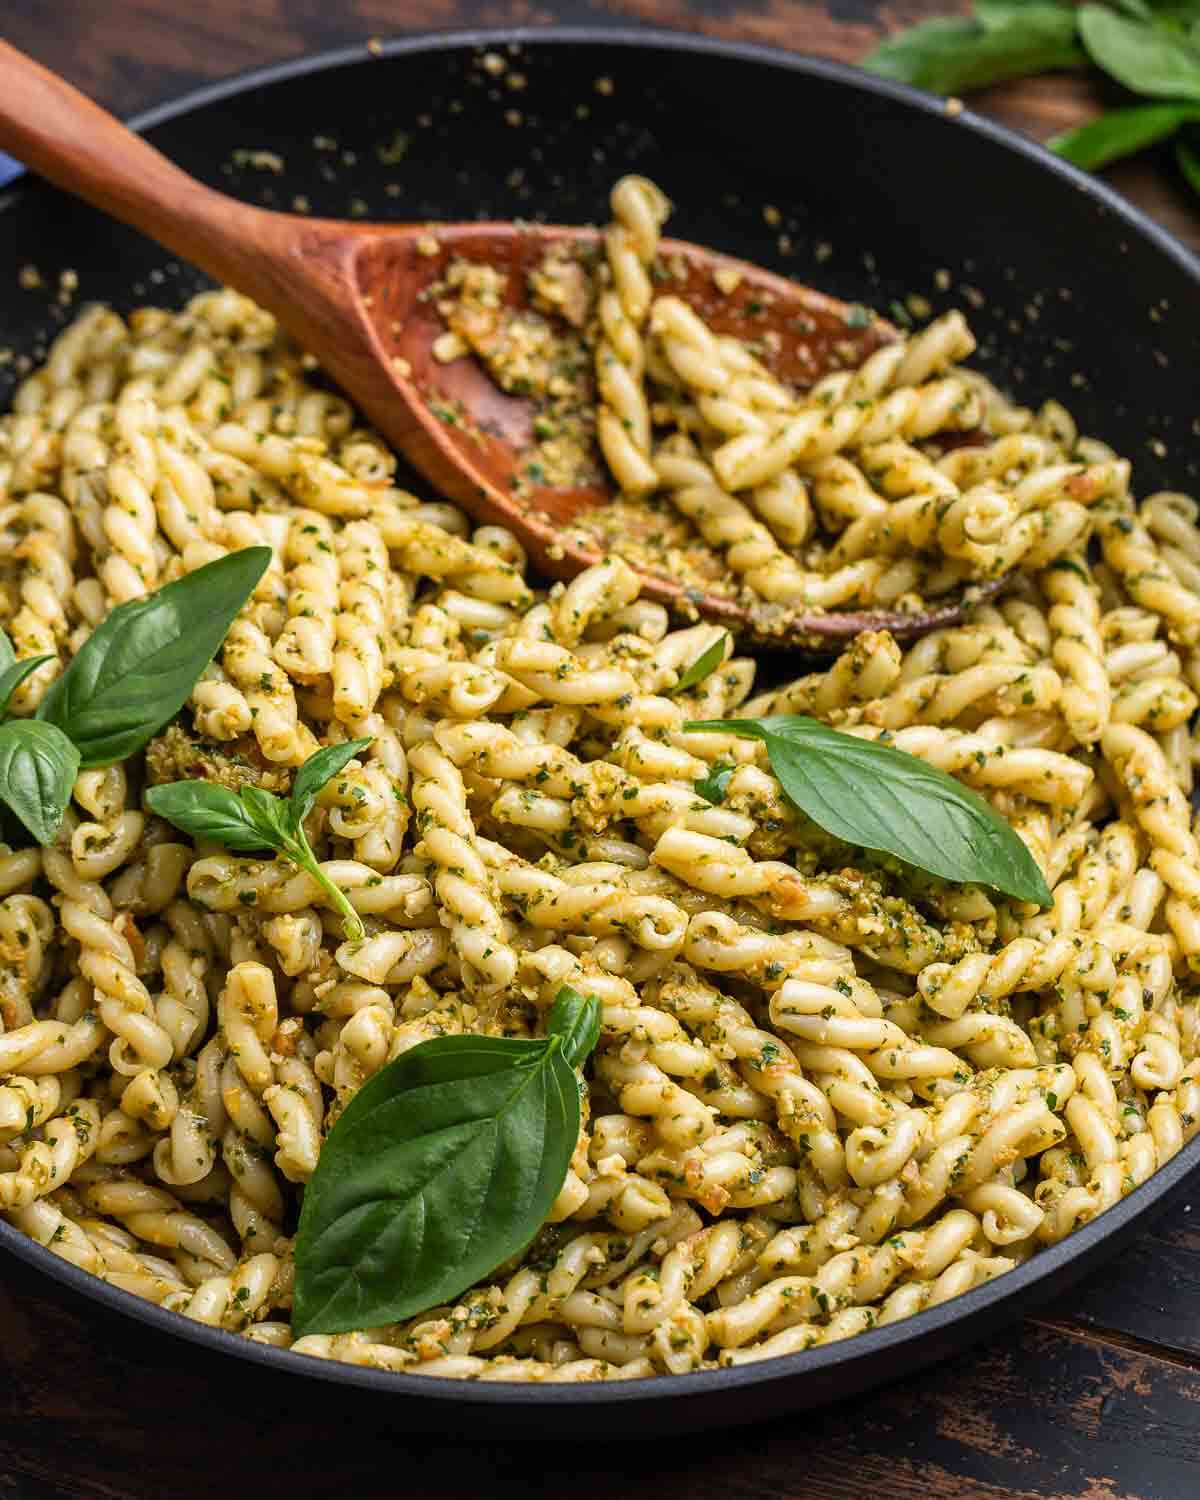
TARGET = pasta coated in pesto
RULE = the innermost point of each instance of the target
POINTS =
(829, 1092)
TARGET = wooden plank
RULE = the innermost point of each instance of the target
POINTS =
(1152, 1291)
(95, 1409)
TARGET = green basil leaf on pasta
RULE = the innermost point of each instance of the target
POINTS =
(319, 768)
(1148, 59)
(38, 766)
(15, 674)
(1121, 133)
(213, 813)
(575, 1018)
(136, 669)
(248, 821)
(442, 1165)
(955, 55)
(713, 786)
(271, 815)
(879, 798)
(7, 654)
(704, 665)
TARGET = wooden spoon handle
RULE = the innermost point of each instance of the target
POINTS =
(61, 134)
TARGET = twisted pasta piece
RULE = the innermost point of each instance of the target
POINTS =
(304, 649)
(1163, 814)
(462, 883)
(1132, 553)
(1074, 622)
(622, 416)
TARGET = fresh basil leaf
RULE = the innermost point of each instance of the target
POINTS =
(15, 674)
(954, 56)
(993, 14)
(7, 654)
(210, 812)
(576, 1019)
(1121, 133)
(704, 666)
(442, 1165)
(1189, 163)
(712, 787)
(38, 766)
(1146, 59)
(319, 768)
(136, 669)
(1136, 8)
(879, 798)
(271, 815)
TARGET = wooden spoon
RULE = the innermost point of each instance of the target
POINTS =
(356, 296)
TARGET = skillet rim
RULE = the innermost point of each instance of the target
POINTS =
(983, 1305)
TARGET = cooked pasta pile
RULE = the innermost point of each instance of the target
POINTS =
(829, 1092)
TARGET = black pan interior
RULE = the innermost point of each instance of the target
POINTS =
(863, 189)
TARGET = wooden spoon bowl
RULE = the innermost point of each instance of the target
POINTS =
(359, 297)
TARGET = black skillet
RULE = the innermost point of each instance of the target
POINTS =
(862, 188)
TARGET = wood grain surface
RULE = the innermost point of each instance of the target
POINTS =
(1099, 1400)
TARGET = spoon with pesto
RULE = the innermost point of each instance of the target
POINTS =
(506, 439)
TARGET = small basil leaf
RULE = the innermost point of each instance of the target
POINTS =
(136, 669)
(704, 665)
(209, 812)
(442, 1165)
(713, 786)
(319, 768)
(271, 815)
(876, 797)
(949, 56)
(576, 1019)
(38, 766)
(1121, 133)
(15, 674)
(7, 654)
(1146, 59)
(1189, 163)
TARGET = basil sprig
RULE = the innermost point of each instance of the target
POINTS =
(132, 674)
(250, 820)
(1152, 47)
(704, 665)
(136, 669)
(875, 797)
(441, 1167)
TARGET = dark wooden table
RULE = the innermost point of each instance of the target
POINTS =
(1099, 1400)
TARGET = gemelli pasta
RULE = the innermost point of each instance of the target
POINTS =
(829, 1091)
